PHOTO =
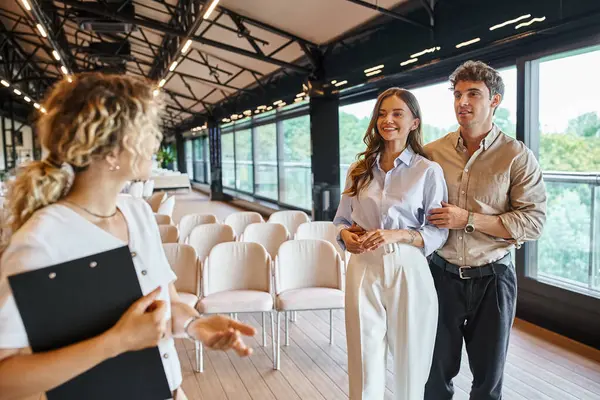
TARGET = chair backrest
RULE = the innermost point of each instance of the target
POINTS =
(290, 219)
(236, 266)
(156, 200)
(167, 207)
(190, 221)
(148, 188)
(163, 219)
(307, 263)
(136, 189)
(168, 233)
(324, 230)
(204, 237)
(270, 236)
(239, 221)
(184, 262)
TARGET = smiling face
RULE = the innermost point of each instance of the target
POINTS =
(473, 104)
(395, 120)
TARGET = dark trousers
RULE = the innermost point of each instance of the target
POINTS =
(480, 311)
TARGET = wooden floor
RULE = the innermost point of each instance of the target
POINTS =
(541, 364)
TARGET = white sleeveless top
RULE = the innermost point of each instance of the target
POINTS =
(56, 234)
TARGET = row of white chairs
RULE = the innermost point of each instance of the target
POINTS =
(208, 232)
(240, 277)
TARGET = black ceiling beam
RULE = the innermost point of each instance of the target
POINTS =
(389, 13)
(206, 53)
(160, 27)
(267, 27)
(429, 8)
(243, 31)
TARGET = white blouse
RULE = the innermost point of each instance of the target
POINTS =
(57, 234)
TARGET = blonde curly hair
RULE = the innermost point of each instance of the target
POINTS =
(85, 121)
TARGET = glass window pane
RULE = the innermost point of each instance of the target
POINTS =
(198, 163)
(354, 120)
(227, 160)
(266, 161)
(188, 159)
(243, 160)
(569, 153)
(296, 179)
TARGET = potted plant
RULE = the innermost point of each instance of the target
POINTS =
(165, 158)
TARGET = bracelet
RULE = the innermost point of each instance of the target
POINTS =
(413, 236)
(187, 324)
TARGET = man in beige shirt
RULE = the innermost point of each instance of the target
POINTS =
(497, 200)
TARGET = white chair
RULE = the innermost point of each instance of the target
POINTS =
(290, 219)
(239, 221)
(308, 276)
(236, 278)
(163, 219)
(184, 263)
(324, 230)
(190, 221)
(148, 188)
(168, 233)
(270, 236)
(204, 237)
(167, 207)
(156, 200)
(136, 189)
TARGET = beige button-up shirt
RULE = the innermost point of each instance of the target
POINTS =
(501, 178)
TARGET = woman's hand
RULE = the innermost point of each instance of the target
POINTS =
(352, 239)
(375, 239)
(221, 333)
(142, 325)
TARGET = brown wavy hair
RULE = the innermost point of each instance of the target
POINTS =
(85, 121)
(362, 173)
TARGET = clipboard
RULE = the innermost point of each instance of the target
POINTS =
(76, 300)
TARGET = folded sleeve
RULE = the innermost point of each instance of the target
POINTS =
(434, 192)
(527, 195)
(343, 216)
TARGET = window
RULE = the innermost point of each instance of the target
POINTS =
(568, 134)
(265, 142)
(243, 160)
(188, 159)
(200, 159)
(228, 160)
(354, 121)
(296, 176)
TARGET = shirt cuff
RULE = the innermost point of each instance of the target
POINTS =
(338, 237)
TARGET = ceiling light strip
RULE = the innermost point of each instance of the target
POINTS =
(467, 43)
(511, 21)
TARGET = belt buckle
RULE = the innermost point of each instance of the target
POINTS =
(460, 272)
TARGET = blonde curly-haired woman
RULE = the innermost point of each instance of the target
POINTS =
(100, 131)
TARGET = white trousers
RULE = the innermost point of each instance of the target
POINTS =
(390, 302)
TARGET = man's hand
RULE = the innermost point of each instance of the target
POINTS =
(449, 216)
(351, 237)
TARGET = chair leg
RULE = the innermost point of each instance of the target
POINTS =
(293, 316)
(273, 340)
(287, 329)
(199, 356)
(277, 355)
(264, 331)
(330, 326)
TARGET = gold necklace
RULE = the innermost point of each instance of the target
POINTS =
(91, 213)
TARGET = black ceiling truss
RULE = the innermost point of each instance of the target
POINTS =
(389, 13)
(165, 29)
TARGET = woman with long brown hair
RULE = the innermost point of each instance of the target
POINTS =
(100, 131)
(390, 295)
